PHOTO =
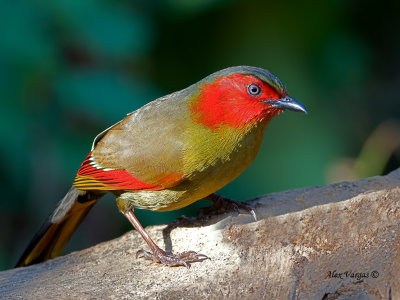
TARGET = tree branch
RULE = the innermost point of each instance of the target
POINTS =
(340, 240)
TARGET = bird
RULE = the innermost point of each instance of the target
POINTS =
(171, 152)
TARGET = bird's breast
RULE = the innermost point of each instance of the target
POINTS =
(213, 158)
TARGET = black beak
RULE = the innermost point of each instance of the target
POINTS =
(287, 103)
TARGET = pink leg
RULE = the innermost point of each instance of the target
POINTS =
(159, 255)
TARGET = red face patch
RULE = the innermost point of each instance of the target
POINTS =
(233, 100)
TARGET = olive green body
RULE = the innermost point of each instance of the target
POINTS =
(161, 141)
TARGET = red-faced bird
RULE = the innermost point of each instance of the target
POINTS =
(168, 154)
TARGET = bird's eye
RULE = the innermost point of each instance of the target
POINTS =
(253, 89)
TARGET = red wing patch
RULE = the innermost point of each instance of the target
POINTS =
(93, 177)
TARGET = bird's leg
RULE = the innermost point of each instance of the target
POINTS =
(159, 255)
(222, 204)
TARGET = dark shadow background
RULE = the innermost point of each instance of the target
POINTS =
(69, 69)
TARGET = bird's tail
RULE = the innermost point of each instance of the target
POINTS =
(58, 228)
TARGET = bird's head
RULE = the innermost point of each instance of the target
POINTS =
(238, 96)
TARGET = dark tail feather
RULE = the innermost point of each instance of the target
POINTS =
(56, 231)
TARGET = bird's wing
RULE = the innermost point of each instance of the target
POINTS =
(144, 151)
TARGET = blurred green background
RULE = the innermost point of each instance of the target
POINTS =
(69, 69)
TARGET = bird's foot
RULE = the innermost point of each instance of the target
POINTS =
(222, 204)
(173, 260)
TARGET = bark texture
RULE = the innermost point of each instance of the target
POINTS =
(340, 241)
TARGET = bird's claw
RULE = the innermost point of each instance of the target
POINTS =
(172, 260)
(222, 204)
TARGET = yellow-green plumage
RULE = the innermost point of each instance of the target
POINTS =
(211, 159)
